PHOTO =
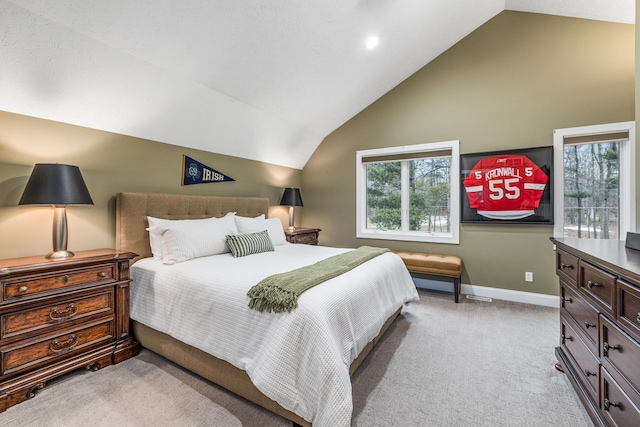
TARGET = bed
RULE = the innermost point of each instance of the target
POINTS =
(296, 364)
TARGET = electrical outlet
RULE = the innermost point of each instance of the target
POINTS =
(528, 276)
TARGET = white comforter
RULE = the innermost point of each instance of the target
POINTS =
(299, 359)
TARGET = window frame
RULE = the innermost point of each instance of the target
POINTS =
(407, 235)
(627, 208)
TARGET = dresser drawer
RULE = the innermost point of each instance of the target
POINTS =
(619, 408)
(56, 313)
(25, 287)
(620, 352)
(585, 363)
(598, 285)
(584, 314)
(629, 308)
(567, 267)
(25, 354)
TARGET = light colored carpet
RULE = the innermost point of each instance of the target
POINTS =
(441, 364)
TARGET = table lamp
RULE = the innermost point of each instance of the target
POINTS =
(57, 185)
(291, 197)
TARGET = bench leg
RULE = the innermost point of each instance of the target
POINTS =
(456, 289)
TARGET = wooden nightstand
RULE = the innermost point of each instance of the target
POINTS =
(308, 236)
(57, 315)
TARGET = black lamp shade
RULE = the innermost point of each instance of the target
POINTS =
(55, 184)
(291, 197)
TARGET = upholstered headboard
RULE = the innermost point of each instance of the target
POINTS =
(132, 210)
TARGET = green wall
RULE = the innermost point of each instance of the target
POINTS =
(508, 84)
(109, 163)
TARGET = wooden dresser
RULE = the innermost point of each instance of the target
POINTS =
(600, 327)
(307, 236)
(60, 315)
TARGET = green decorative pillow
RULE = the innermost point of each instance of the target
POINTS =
(247, 244)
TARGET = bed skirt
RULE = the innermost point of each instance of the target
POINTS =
(223, 373)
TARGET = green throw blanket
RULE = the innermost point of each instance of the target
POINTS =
(280, 292)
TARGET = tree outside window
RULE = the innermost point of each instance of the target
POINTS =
(429, 195)
(592, 190)
(409, 193)
(595, 195)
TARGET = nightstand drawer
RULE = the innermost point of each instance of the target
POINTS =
(303, 235)
(40, 285)
(57, 313)
(306, 238)
(25, 354)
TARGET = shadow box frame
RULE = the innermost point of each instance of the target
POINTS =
(543, 214)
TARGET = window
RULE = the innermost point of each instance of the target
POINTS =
(595, 181)
(409, 193)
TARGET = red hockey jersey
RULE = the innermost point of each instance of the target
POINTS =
(505, 187)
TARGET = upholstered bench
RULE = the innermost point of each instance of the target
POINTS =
(435, 265)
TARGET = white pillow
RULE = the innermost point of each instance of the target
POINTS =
(254, 225)
(155, 232)
(155, 237)
(243, 222)
(183, 240)
(248, 218)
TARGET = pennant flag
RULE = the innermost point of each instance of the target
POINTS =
(194, 172)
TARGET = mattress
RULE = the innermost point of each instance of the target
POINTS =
(299, 359)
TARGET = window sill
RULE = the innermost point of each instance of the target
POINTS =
(410, 237)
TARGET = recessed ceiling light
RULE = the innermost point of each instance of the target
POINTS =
(372, 42)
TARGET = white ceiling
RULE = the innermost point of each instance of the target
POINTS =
(264, 79)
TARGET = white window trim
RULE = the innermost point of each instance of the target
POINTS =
(627, 174)
(414, 236)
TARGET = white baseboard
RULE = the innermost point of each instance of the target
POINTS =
(486, 292)
(511, 295)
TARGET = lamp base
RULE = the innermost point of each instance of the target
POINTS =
(60, 254)
(291, 221)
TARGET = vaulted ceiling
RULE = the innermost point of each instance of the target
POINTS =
(265, 80)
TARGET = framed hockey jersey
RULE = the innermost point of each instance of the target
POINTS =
(512, 186)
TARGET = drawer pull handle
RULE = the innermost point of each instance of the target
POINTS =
(58, 315)
(565, 337)
(589, 325)
(65, 279)
(563, 266)
(102, 274)
(608, 347)
(588, 373)
(591, 285)
(608, 404)
(23, 289)
(58, 346)
(638, 317)
(567, 299)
